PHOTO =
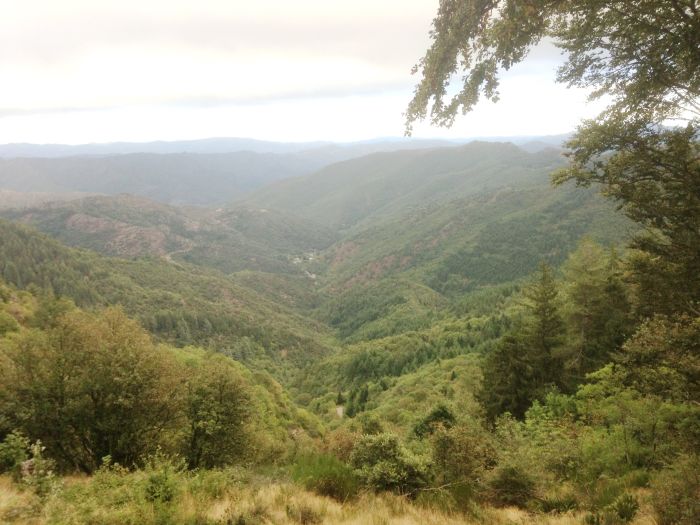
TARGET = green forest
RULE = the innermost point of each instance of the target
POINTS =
(442, 335)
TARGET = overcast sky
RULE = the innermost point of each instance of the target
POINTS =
(75, 71)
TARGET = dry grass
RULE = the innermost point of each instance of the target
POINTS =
(18, 506)
(270, 504)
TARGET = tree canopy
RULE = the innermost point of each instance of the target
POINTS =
(642, 149)
(644, 54)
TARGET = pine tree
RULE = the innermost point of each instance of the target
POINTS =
(596, 309)
(525, 363)
(509, 383)
(545, 329)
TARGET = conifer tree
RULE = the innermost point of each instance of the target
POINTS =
(545, 329)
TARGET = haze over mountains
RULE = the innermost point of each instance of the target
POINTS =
(229, 145)
(205, 172)
(267, 210)
(381, 184)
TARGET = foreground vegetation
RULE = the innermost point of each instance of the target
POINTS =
(232, 497)
(525, 410)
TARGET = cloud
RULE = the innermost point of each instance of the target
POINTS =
(79, 70)
(100, 54)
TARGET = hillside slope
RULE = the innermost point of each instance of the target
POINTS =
(178, 178)
(230, 239)
(181, 304)
(377, 186)
(405, 273)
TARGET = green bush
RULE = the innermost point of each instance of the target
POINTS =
(461, 455)
(384, 464)
(603, 493)
(7, 323)
(439, 416)
(622, 510)
(162, 478)
(37, 473)
(326, 475)
(625, 507)
(510, 485)
(215, 483)
(637, 479)
(675, 493)
(369, 424)
(558, 503)
(13, 451)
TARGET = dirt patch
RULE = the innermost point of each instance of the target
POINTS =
(126, 240)
(343, 252)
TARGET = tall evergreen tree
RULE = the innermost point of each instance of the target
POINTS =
(509, 382)
(545, 329)
(526, 362)
(596, 309)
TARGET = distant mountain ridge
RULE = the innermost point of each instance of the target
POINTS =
(197, 177)
(234, 144)
(203, 146)
(208, 174)
(181, 178)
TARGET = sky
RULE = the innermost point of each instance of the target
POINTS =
(78, 71)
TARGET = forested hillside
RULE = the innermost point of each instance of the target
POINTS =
(228, 239)
(376, 186)
(183, 304)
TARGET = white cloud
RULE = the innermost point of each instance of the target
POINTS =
(77, 71)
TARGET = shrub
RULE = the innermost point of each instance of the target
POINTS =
(603, 493)
(255, 515)
(558, 503)
(93, 385)
(384, 464)
(637, 479)
(214, 484)
(340, 443)
(326, 475)
(37, 473)
(369, 424)
(511, 486)
(625, 507)
(13, 451)
(675, 493)
(461, 453)
(217, 405)
(622, 510)
(162, 478)
(439, 416)
(7, 323)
